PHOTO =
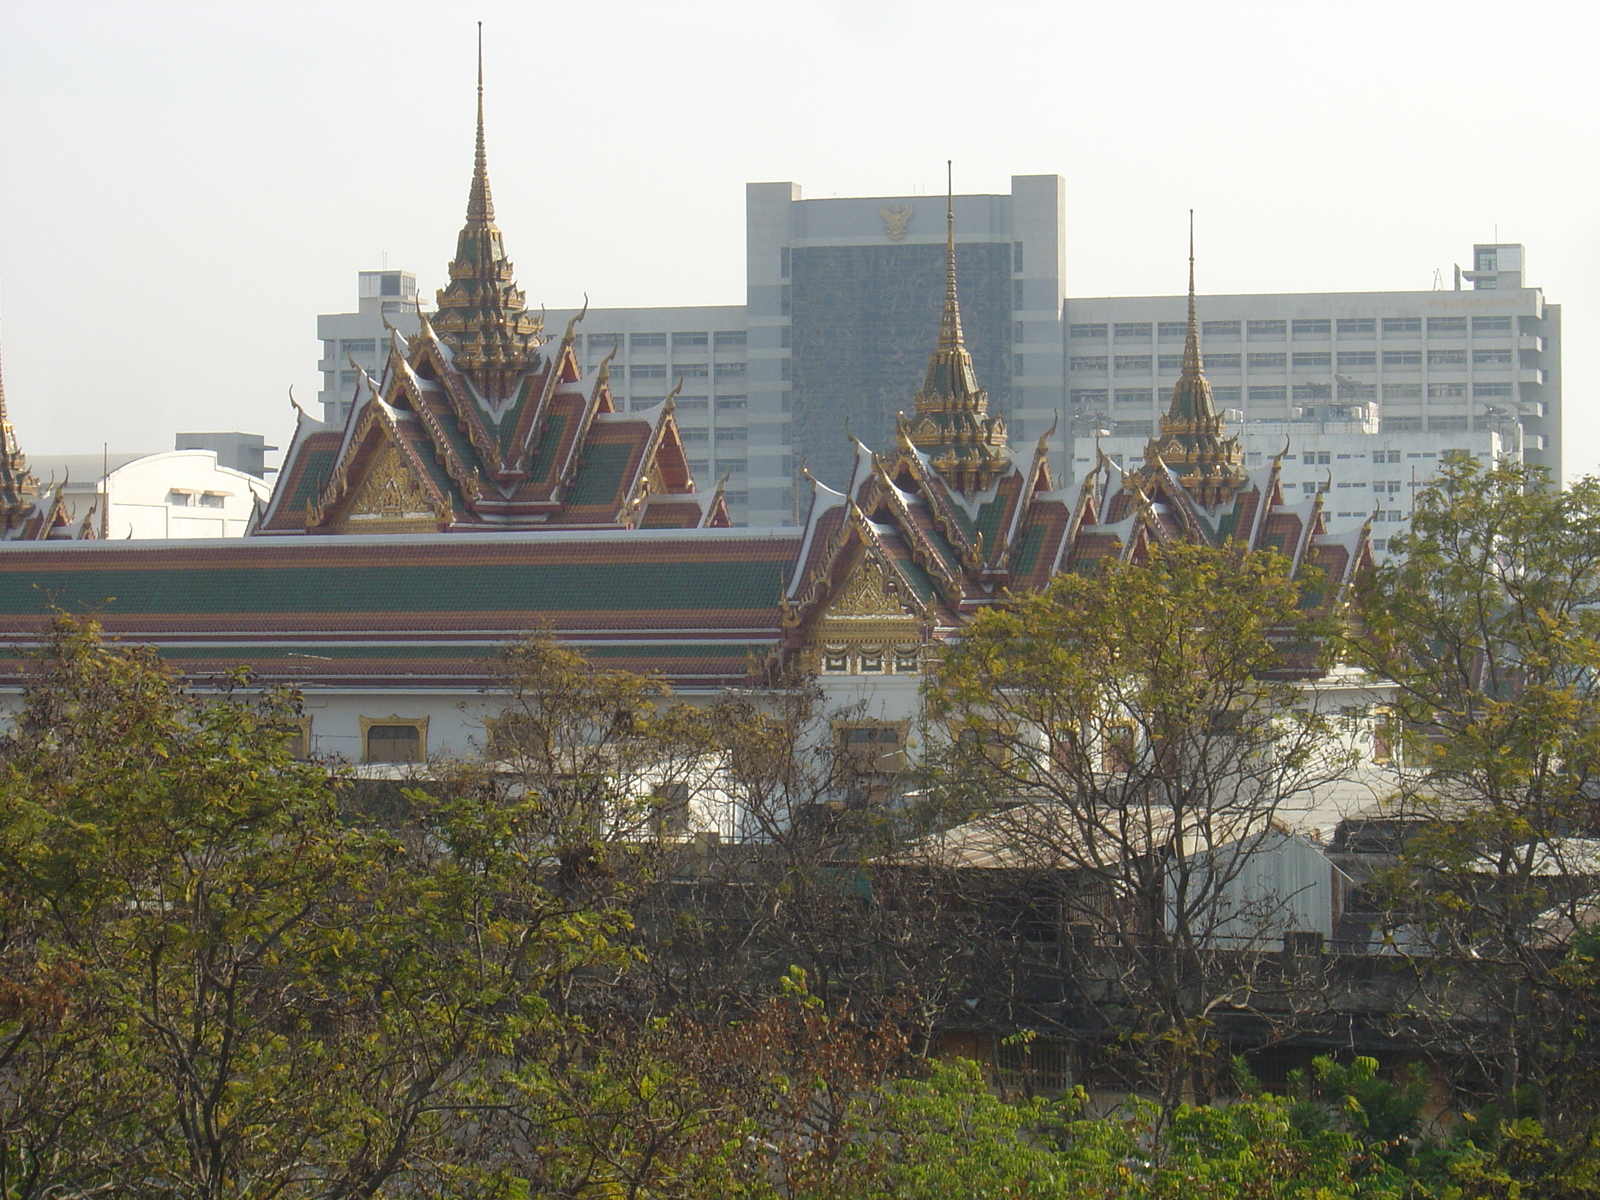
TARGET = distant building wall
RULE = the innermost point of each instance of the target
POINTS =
(172, 494)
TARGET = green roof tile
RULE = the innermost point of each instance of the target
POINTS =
(500, 587)
(601, 477)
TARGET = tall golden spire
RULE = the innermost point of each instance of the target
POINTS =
(952, 424)
(950, 320)
(480, 204)
(482, 316)
(1192, 365)
(1210, 466)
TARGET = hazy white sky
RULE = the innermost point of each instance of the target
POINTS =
(184, 186)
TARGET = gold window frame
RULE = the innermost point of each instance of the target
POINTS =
(420, 724)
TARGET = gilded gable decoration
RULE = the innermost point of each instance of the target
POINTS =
(868, 628)
(389, 490)
(388, 498)
(868, 593)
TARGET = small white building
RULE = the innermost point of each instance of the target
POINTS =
(169, 494)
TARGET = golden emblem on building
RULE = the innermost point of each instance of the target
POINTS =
(895, 221)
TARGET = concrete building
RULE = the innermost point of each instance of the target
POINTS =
(1437, 362)
(182, 493)
(381, 296)
(842, 300)
(237, 451)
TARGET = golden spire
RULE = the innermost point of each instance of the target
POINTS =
(964, 444)
(480, 204)
(1210, 467)
(950, 320)
(1192, 366)
(482, 316)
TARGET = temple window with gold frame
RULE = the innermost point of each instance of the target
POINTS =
(394, 739)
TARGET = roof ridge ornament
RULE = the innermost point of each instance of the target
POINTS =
(482, 316)
(1208, 465)
(965, 445)
(19, 489)
(950, 335)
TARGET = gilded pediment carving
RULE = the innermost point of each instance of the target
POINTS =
(868, 593)
(387, 494)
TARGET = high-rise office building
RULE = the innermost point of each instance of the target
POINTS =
(842, 302)
(1446, 361)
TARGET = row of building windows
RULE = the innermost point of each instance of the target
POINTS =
(721, 339)
(1124, 331)
(1084, 398)
(1323, 458)
(697, 404)
(1351, 360)
(723, 370)
(186, 498)
(725, 433)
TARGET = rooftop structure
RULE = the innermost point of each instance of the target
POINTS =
(477, 423)
(487, 485)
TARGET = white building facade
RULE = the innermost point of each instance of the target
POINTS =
(170, 494)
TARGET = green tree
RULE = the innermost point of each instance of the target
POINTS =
(1133, 737)
(1486, 622)
(948, 1135)
(219, 986)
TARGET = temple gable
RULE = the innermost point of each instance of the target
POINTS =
(387, 499)
(486, 424)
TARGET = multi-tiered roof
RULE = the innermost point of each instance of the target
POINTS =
(965, 445)
(479, 422)
(951, 520)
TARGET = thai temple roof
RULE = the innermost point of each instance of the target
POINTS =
(1192, 444)
(952, 425)
(480, 422)
(484, 486)
(953, 520)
